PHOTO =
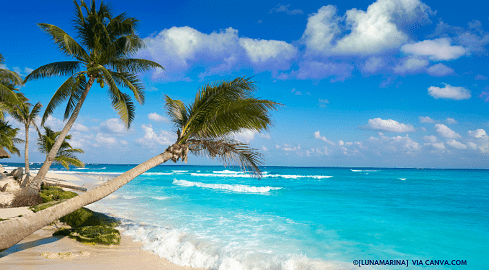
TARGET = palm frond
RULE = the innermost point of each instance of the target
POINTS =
(10, 77)
(55, 69)
(177, 111)
(76, 92)
(65, 155)
(227, 107)
(35, 111)
(133, 65)
(64, 42)
(7, 94)
(67, 161)
(229, 152)
(63, 92)
(132, 82)
(124, 107)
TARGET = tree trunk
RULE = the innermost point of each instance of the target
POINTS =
(26, 154)
(35, 185)
(14, 230)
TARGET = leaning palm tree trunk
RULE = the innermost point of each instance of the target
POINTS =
(26, 154)
(14, 230)
(35, 185)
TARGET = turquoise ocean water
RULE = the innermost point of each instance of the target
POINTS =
(303, 218)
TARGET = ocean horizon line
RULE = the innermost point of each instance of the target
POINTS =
(265, 166)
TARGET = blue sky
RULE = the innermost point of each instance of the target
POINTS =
(391, 83)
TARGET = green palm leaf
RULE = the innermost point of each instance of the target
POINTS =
(65, 155)
(219, 111)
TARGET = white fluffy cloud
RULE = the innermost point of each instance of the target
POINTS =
(449, 92)
(436, 49)
(321, 29)
(104, 139)
(181, 47)
(373, 64)
(371, 31)
(267, 53)
(245, 135)
(456, 144)
(158, 118)
(446, 132)
(391, 144)
(426, 119)
(79, 127)
(440, 70)
(151, 138)
(114, 126)
(451, 121)
(411, 65)
(317, 135)
(479, 133)
(431, 138)
(389, 125)
(53, 123)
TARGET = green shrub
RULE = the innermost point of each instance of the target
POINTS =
(54, 193)
(97, 234)
(86, 217)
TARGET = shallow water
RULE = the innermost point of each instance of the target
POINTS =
(303, 218)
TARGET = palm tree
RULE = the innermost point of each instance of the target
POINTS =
(66, 153)
(204, 127)
(21, 111)
(102, 56)
(8, 137)
(8, 81)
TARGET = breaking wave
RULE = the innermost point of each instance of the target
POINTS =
(234, 188)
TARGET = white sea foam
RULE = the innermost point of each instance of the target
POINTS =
(242, 175)
(234, 188)
(402, 179)
(181, 248)
(160, 198)
(157, 173)
(179, 171)
(363, 170)
(228, 172)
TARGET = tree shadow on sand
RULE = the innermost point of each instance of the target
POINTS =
(31, 244)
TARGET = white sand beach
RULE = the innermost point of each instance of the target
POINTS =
(43, 251)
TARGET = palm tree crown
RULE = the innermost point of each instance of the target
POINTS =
(21, 111)
(8, 137)
(8, 82)
(106, 43)
(220, 110)
(66, 153)
(102, 56)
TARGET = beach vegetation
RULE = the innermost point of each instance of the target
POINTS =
(205, 127)
(9, 80)
(98, 234)
(8, 137)
(25, 113)
(101, 55)
(84, 217)
(55, 193)
(66, 153)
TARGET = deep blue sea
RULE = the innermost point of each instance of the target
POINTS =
(303, 218)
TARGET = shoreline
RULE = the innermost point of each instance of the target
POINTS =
(44, 251)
